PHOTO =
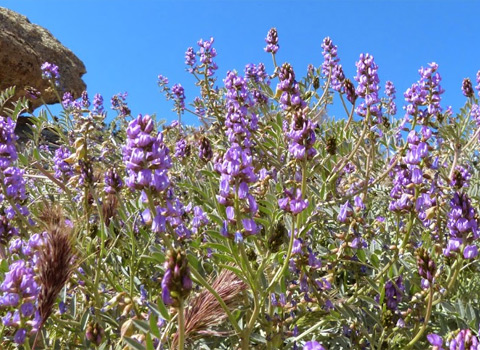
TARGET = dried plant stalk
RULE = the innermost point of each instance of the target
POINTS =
(56, 261)
(204, 312)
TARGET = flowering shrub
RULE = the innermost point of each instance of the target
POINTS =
(271, 226)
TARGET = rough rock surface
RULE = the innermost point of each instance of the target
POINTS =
(24, 47)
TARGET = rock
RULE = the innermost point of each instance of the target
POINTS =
(24, 47)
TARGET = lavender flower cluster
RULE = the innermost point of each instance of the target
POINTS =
(12, 192)
(236, 167)
(368, 87)
(147, 161)
(20, 290)
(463, 226)
(331, 67)
(299, 129)
(464, 339)
(425, 93)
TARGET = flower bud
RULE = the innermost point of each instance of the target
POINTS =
(94, 333)
(176, 283)
(467, 88)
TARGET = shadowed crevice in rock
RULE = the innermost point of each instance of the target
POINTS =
(24, 47)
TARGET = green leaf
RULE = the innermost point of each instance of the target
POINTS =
(153, 326)
(148, 340)
(133, 344)
(142, 325)
(375, 260)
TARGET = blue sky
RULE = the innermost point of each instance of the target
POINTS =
(126, 44)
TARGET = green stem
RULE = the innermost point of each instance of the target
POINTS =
(427, 318)
(285, 263)
(471, 141)
(181, 326)
(457, 266)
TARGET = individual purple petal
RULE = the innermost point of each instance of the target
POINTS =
(470, 252)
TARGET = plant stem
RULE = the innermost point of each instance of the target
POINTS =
(181, 326)
(285, 263)
(427, 318)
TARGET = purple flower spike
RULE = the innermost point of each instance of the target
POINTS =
(190, 59)
(368, 87)
(272, 41)
(179, 93)
(331, 65)
(50, 71)
(390, 92)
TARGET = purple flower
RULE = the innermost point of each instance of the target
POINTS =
(464, 339)
(20, 336)
(239, 121)
(27, 309)
(462, 225)
(256, 74)
(12, 176)
(359, 205)
(368, 87)
(394, 292)
(98, 104)
(207, 52)
(475, 113)
(179, 94)
(50, 71)
(182, 148)
(176, 282)
(293, 201)
(470, 252)
(299, 130)
(199, 218)
(477, 87)
(435, 339)
(390, 92)
(67, 100)
(331, 66)
(425, 93)
(113, 182)
(63, 170)
(272, 41)
(313, 345)
(8, 153)
(162, 80)
(273, 300)
(119, 104)
(190, 59)
(146, 156)
(236, 167)
(345, 212)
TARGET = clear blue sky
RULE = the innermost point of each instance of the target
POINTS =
(126, 44)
